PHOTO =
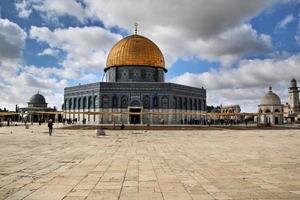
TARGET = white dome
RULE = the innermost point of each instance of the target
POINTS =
(270, 98)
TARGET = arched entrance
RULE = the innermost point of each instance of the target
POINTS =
(276, 120)
(135, 110)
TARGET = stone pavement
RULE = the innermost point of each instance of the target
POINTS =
(169, 165)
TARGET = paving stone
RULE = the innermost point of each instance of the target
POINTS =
(162, 165)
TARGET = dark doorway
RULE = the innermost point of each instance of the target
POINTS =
(135, 117)
(276, 120)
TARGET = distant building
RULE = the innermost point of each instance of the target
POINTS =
(227, 112)
(231, 109)
(270, 109)
(292, 107)
(37, 109)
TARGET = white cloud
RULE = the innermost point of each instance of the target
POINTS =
(213, 30)
(24, 8)
(51, 9)
(86, 47)
(49, 52)
(231, 45)
(17, 81)
(247, 82)
(285, 21)
(12, 40)
(18, 85)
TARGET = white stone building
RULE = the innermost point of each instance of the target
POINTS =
(270, 109)
(292, 107)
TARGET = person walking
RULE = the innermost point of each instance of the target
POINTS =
(50, 126)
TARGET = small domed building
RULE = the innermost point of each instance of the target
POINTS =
(37, 101)
(135, 91)
(270, 109)
(37, 109)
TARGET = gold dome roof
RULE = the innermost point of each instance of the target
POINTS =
(135, 50)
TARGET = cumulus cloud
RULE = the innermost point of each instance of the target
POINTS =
(182, 29)
(213, 30)
(86, 47)
(51, 9)
(49, 52)
(204, 18)
(12, 40)
(19, 84)
(285, 21)
(18, 81)
(229, 46)
(247, 82)
(24, 8)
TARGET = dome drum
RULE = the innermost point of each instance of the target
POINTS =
(135, 74)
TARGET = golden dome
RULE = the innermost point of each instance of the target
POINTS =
(135, 50)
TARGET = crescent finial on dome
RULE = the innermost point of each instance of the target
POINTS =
(135, 28)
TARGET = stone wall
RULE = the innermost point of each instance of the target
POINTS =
(117, 97)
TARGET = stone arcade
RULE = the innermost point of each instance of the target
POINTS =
(135, 86)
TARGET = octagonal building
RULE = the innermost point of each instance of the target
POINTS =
(135, 91)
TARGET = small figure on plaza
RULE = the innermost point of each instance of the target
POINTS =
(50, 126)
(122, 126)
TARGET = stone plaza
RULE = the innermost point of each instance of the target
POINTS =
(164, 165)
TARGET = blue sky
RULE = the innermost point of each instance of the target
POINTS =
(234, 48)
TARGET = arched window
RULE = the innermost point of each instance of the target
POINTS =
(105, 101)
(180, 102)
(114, 101)
(175, 103)
(185, 104)
(84, 103)
(75, 103)
(267, 110)
(195, 104)
(124, 102)
(79, 103)
(70, 104)
(165, 102)
(146, 102)
(89, 102)
(135, 103)
(155, 101)
(190, 104)
(199, 104)
(95, 102)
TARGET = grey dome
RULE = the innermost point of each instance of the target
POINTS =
(270, 98)
(37, 99)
